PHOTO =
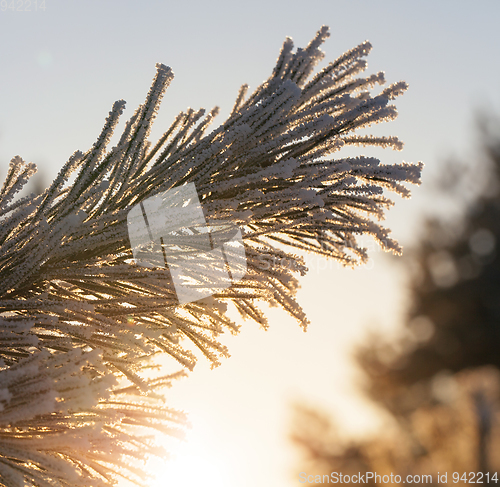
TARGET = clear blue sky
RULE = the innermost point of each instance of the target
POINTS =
(62, 69)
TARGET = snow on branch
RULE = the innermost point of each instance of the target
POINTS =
(80, 319)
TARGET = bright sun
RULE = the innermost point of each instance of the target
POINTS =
(193, 464)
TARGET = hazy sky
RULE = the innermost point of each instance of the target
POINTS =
(63, 67)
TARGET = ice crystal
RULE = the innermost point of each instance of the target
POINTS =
(81, 321)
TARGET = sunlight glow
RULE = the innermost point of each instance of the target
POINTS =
(192, 464)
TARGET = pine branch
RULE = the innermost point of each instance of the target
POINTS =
(78, 314)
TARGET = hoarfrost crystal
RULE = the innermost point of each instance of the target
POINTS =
(82, 323)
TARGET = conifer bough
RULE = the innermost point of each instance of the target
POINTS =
(81, 323)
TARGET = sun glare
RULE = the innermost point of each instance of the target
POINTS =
(193, 464)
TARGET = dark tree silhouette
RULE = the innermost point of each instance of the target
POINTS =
(440, 380)
(454, 319)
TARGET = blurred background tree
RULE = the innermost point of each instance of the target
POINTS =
(440, 380)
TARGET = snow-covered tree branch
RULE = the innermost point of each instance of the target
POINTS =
(81, 322)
